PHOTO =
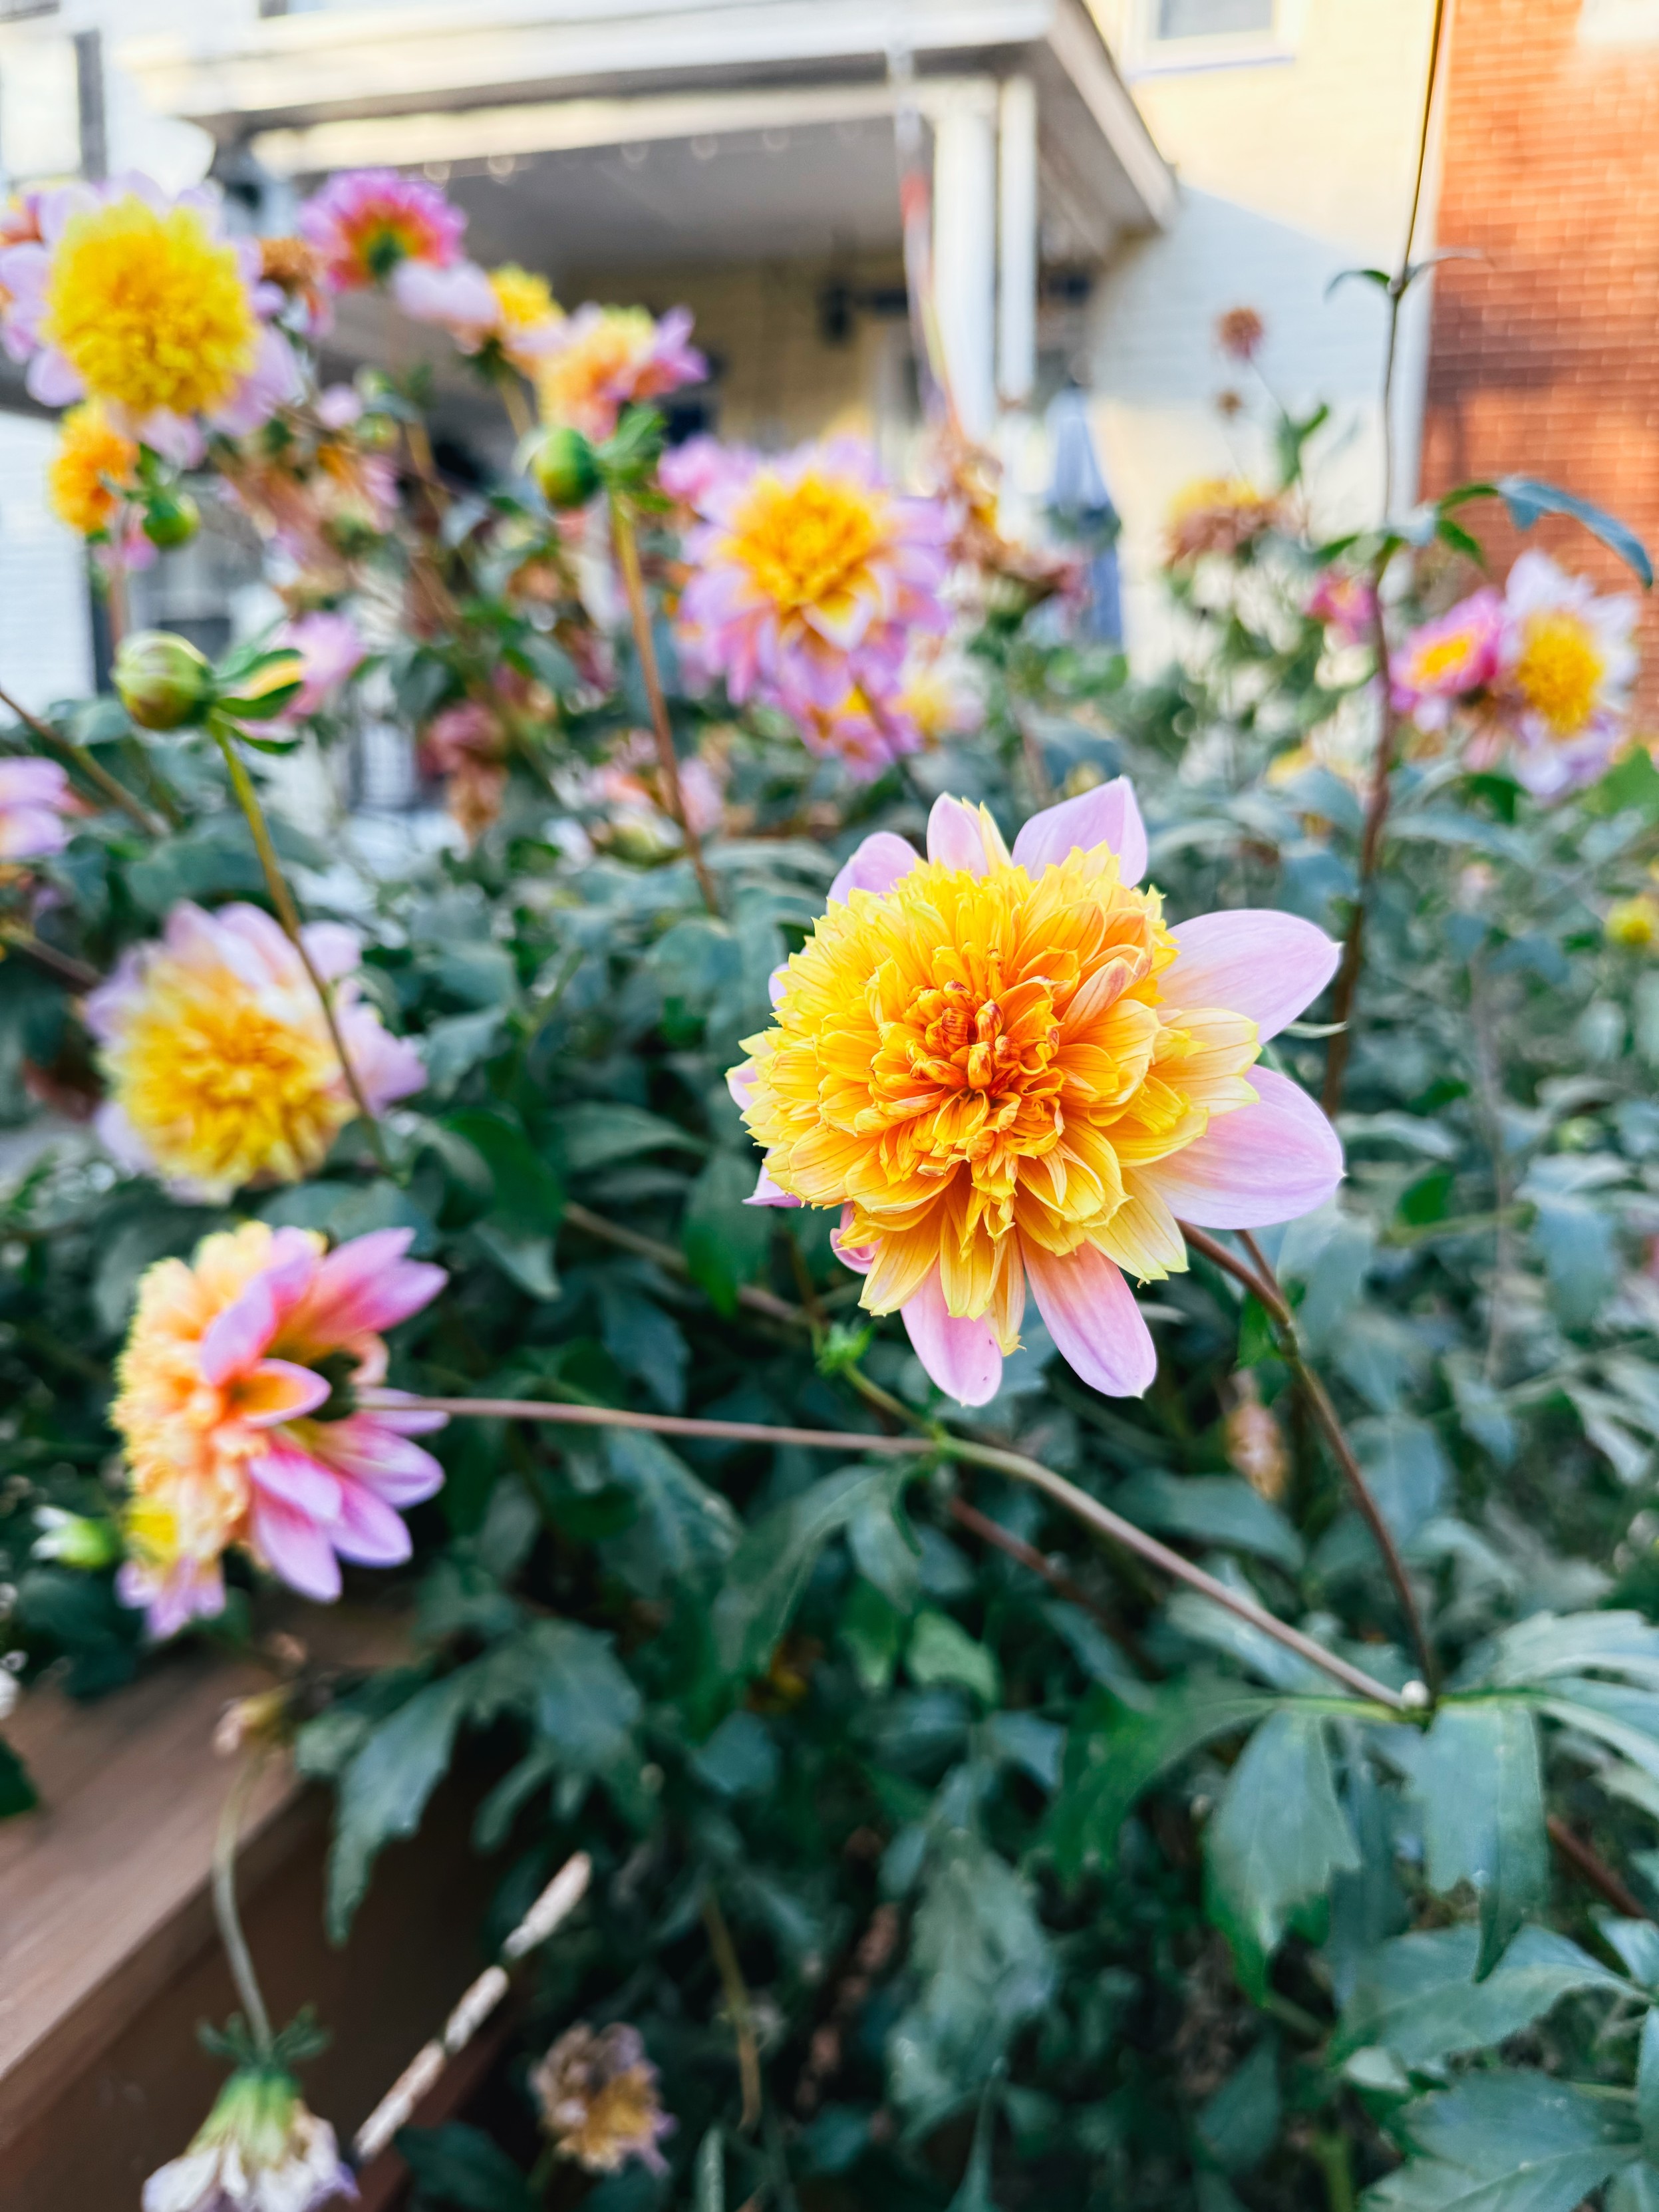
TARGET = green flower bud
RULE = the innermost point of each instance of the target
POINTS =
(161, 680)
(565, 468)
(76, 1540)
(171, 518)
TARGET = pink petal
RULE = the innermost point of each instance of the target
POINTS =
(370, 1454)
(1253, 960)
(369, 1531)
(295, 1548)
(768, 1193)
(1092, 1316)
(277, 1391)
(286, 1473)
(860, 1258)
(365, 1286)
(740, 1082)
(1256, 1165)
(962, 1356)
(877, 865)
(955, 836)
(235, 1340)
(335, 949)
(52, 381)
(1108, 815)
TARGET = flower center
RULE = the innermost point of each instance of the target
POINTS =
(1559, 671)
(805, 542)
(1441, 657)
(149, 310)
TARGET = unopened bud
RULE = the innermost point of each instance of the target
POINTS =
(75, 1540)
(161, 680)
(171, 519)
(565, 467)
(256, 1720)
(1256, 1444)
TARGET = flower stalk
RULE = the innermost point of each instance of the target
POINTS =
(77, 757)
(225, 1913)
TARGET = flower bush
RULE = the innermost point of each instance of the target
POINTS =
(1188, 1738)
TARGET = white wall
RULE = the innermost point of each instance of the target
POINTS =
(1291, 169)
(45, 648)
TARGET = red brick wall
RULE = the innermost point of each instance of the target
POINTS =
(1545, 353)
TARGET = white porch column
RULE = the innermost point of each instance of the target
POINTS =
(1017, 241)
(965, 250)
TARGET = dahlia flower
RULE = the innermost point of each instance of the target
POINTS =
(1634, 923)
(219, 1061)
(864, 731)
(813, 578)
(94, 468)
(1346, 603)
(1219, 514)
(605, 359)
(249, 1409)
(597, 2100)
(331, 649)
(375, 227)
(258, 2150)
(1006, 1067)
(1568, 661)
(144, 303)
(509, 309)
(690, 473)
(1240, 334)
(1452, 658)
(34, 797)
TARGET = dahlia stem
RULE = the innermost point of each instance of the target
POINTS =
(664, 1255)
(941, 1446)
(63, 967)
(1263, 1285)
(288, 914)
(737, 2005)
(77, 757)
(240, 1959)
(512, 399)
(628, 560)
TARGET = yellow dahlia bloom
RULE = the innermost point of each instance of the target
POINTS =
(92, 467)
(1006, 1067)
(218, 1057)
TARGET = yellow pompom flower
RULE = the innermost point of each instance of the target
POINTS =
(528, 313)
(218, 1057)
(92, 466)
(1634, 923)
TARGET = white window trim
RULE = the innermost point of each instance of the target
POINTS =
(1148, 55)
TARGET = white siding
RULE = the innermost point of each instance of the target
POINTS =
(45, 645)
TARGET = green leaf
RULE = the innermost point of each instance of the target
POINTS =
(1216, 1508)
(1507, 2142)
(461, 2166)
(942, 1650)
(1418, 1997)
(1238, 2123)
(873, 1631)
(384, 1791)
(1547, 1645)
(342, 1210)
(1635, 2190)
(1647, 2087)
(1637, 1942)
(1108, 1766)
(769, 1568)
(884, 1548)
(527, 1193)
(726, 1240)
(17, 1792)
(740, 1760)
(527, 1260)
(709, 2174)
(593, 1135)
(452, 1047)
(683, 1533)
(1477, 1780)
(580, 1694)
(1275, 1843)
(1529, 498)
(975, 2194)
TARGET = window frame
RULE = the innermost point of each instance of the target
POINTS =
(1152, 55)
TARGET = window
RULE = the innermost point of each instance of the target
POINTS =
(1212, 19)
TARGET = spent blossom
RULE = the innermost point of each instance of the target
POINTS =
(142, 302)
(258, 2150)
(1006, 1069)
(1219, 514)
(1346, 604)
(598, 2098)
(252, 1417)
(218, 1057)
(604, 359)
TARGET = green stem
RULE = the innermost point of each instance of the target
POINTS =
(225, 1913)
(288, 916)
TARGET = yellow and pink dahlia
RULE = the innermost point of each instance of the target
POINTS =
(1569, 662)
(367, 224)
(1453, 658)
(1006, 1068)
(252, 1412)
(604, 359)
(34, 798)
(217, 1053)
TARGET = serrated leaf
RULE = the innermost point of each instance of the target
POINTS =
(1477, 1780)
(1416, 1996)
(1217, 1508)
(593, 1135)
(384, 1791)
(460, 2166)
(1507, 2142)
(725, 1239)
(1276, 1841)
(769, 1568)
(683, 1533)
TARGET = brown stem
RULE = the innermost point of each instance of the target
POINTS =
(944, 1446)
(1027, 1555)
(664, 1255)
(1593, 1870)
(738, 2005)
(62, 967)
(628, 560)
(518, 408)
(77, 757)
(1265, 1288)
(288, 914)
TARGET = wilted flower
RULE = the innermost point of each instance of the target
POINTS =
(369, 224)
(813, 578)
(1004, 1067)
(1254, 1441)
(258, 2150)
(34, 797)
(1569, 663)
(219, 1061)
(142, 302)
(1454, 657)
(604, 359)
(1634, 922)
(251, 1415)
(1239, 334)
(598, 2098)
(1346, 603)
(294, 267)
(1219, 514)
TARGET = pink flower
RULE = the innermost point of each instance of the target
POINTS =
(252, 1414)
(813, 578)
(866, 734)
(691, 474)
(368, 224)
(604, 359)
(1006, 1071)
(1568, 661)
(34, 797)
(1452, 658)
(465, 731)
(1346, 604)
(331, 647)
